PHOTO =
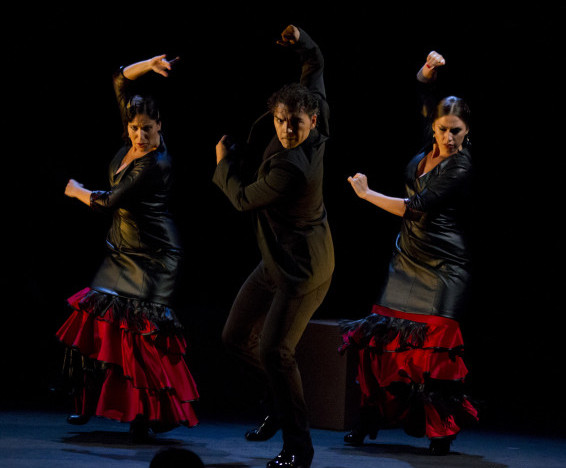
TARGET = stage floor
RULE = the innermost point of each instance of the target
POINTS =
(43, 439)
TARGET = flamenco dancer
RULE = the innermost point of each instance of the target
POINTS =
(125, 347)
(276, 302)
(411, 372)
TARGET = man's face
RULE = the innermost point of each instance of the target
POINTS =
(292, 127)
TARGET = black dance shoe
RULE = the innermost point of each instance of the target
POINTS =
(289, 459)
(368, 425)
(440, 445)
(265, 431)
(357, 436)
(139, 430)
(78, 419)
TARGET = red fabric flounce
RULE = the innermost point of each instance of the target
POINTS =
(407, 361)
(438, 357)
(409, 347)
(146, 370)
(121, 401)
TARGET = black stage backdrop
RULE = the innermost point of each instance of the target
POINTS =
(61, 121)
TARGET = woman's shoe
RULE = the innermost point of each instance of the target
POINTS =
(78, 419)
(265, 431)
(139, 430)
(440, 445)
(368, 425)
(358, 434)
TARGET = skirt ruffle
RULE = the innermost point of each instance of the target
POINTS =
(142, 352)
(411, 368)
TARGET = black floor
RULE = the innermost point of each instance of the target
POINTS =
(42, 438)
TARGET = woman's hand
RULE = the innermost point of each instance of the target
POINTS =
(72, 188)
(393, 205)
(433, 61)
(160, 65)
(359, 183)
(289, 36)
(76, 190)
(221, 149)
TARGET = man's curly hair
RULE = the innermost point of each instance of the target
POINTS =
(296, 97)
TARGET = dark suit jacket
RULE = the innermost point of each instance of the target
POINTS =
(287, 197)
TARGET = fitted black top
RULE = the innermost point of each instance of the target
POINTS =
(430, 269)
(143, 246)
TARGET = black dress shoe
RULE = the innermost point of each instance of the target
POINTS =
(440, 445)
(78, 419)
(290, 459)
(265, 431)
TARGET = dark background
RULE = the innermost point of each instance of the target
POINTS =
(61, 121)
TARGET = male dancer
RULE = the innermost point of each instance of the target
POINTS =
(280, 296)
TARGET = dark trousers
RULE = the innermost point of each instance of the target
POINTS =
(263, 329)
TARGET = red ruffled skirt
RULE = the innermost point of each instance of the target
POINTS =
(141, 353)
(411, 371)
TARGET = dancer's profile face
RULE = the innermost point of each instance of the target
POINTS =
(144, 132)
(292, 127)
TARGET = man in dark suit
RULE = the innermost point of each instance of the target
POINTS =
(280, 296)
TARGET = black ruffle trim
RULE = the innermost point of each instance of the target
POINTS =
(134, 312)
(447, 397)
(359, 333)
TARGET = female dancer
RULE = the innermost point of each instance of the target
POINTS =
(125, 346)
(411, 370)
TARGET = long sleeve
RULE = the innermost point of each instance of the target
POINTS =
(133, 178)
(312, 64)
(121, 84)
(282, 181)
(450, 178)
(312, 75)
